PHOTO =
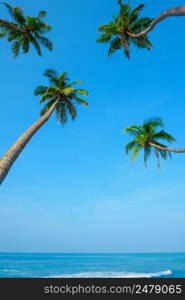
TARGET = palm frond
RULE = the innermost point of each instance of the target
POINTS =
(3, 33)
(15, 12)
(80, 101)
(135, 12)
(104, 38)
(82, 92)
(130, 146)
(135, 152)
(165, 136)
(109, 29)
(46, 96)
(13, 35)
(154, 122)
(45, 42)
(52, 75)
(140, 24)
(114, 46)
(16, 48)
(25, 45)
(133, 130)
(71, 109)
(63, 79)
(142, 42)
(40, 90)
(164, 154)
(147, 153)
(157, 156)
(125, 10)
(76, 82)
(61, 111)
(36, 45)
(68, 90)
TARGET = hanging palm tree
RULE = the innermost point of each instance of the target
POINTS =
(127, 20)
(24, 31)
(148, 137)
(61, 97)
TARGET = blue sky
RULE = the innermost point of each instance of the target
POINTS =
(73, 189)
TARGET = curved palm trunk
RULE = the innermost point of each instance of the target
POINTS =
(11, 155)
(178, 11)
(167, 148)
(11, 26)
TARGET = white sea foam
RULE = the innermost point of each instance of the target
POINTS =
(114, 275)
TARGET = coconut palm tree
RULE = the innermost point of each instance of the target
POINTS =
(24, 31)
(148, 137)
(127, 20)
(61, 97)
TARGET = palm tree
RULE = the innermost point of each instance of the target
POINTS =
(127, 20)
(60, 96)
(24, 31)
(148, 137)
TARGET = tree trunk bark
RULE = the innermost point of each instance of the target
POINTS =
(11, 155)
(11, 26)
(167, 148)
(178, 11)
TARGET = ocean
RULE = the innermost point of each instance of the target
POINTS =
(61, 265)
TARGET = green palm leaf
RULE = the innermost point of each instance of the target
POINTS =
(72, 110)
(16, 48)
(147, 153)
(130, 146)
(135, 152)
(52, 75)
(135, 12)
(80, 101)
(40, 90)
(68, 90)
(82, 92)
(104, 38)
(45, 42)
(164, 136)
(114, 45)
(76, 82)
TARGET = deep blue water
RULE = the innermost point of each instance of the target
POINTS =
(168, 265)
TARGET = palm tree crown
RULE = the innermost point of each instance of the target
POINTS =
(61, 92)
(116, 32)
(25, 30)
(146, 137)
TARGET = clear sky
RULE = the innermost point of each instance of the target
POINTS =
(73, 189)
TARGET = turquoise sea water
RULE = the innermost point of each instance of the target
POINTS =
(168, 265)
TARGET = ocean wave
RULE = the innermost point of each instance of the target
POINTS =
(114, 275)
(9, 270)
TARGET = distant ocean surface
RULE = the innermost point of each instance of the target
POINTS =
(21, 265)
